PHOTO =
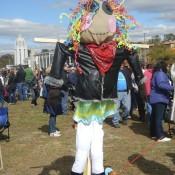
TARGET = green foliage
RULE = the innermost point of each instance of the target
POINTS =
(155, 39)
(160, 51)
(6, 59)
(169, 37)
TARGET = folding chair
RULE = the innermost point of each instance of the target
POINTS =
(4, 117)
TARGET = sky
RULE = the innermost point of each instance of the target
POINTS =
(40, 18)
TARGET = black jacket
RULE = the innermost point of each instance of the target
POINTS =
(127, 73)
(20, 76)
(91, 85)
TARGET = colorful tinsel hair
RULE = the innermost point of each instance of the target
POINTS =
(124, 22)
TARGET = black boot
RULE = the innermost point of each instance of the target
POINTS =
(73, 173)
(100, 174)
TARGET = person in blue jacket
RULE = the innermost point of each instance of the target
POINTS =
(159, 99)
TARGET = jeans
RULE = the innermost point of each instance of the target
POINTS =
(21, 91)
(12, 97)
(64, 102)
(52, 124)
(124, 101)
(158, 112)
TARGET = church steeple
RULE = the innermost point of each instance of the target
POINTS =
(21, 51)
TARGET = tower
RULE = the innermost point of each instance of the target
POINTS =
(21, 51)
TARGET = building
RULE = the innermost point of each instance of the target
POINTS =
(30, 60)
(44, 59)
(170, 44)
(21, 51)
(143, 51)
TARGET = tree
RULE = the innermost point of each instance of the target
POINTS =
(154, 40)
(169, 37)
(6, 59)
(160, 51)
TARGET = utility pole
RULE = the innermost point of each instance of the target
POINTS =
(144, 37)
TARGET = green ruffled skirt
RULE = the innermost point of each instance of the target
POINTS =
(88, 111)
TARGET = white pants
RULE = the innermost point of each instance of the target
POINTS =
(89, 141)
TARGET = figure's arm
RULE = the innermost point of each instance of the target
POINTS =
(134, 62)
(55, 76)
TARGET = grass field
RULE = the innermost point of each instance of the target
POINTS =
(31, 151)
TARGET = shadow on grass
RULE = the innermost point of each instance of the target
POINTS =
(44, 128)
(140, 128)
(61, 166)
(150, 167)
(172, 155)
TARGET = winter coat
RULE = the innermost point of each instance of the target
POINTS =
(161, 88)
(20, 76)
(11, 83)
(28, 75)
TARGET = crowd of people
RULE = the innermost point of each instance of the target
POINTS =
(23, 83)
(20, 84)
(159, 91)
(158, 94)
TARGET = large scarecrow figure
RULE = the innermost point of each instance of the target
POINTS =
(97, 39)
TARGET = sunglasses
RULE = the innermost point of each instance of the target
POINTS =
(93, 7)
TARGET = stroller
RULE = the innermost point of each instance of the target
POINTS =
(4, 118)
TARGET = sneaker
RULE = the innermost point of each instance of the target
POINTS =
(154, 138)
(58, 131)
(55, 134)
(165, 139)
(129, 117)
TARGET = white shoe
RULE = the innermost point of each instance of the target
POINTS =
(55, 134)
(58, 132)
(165, 139)
(129, 117)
